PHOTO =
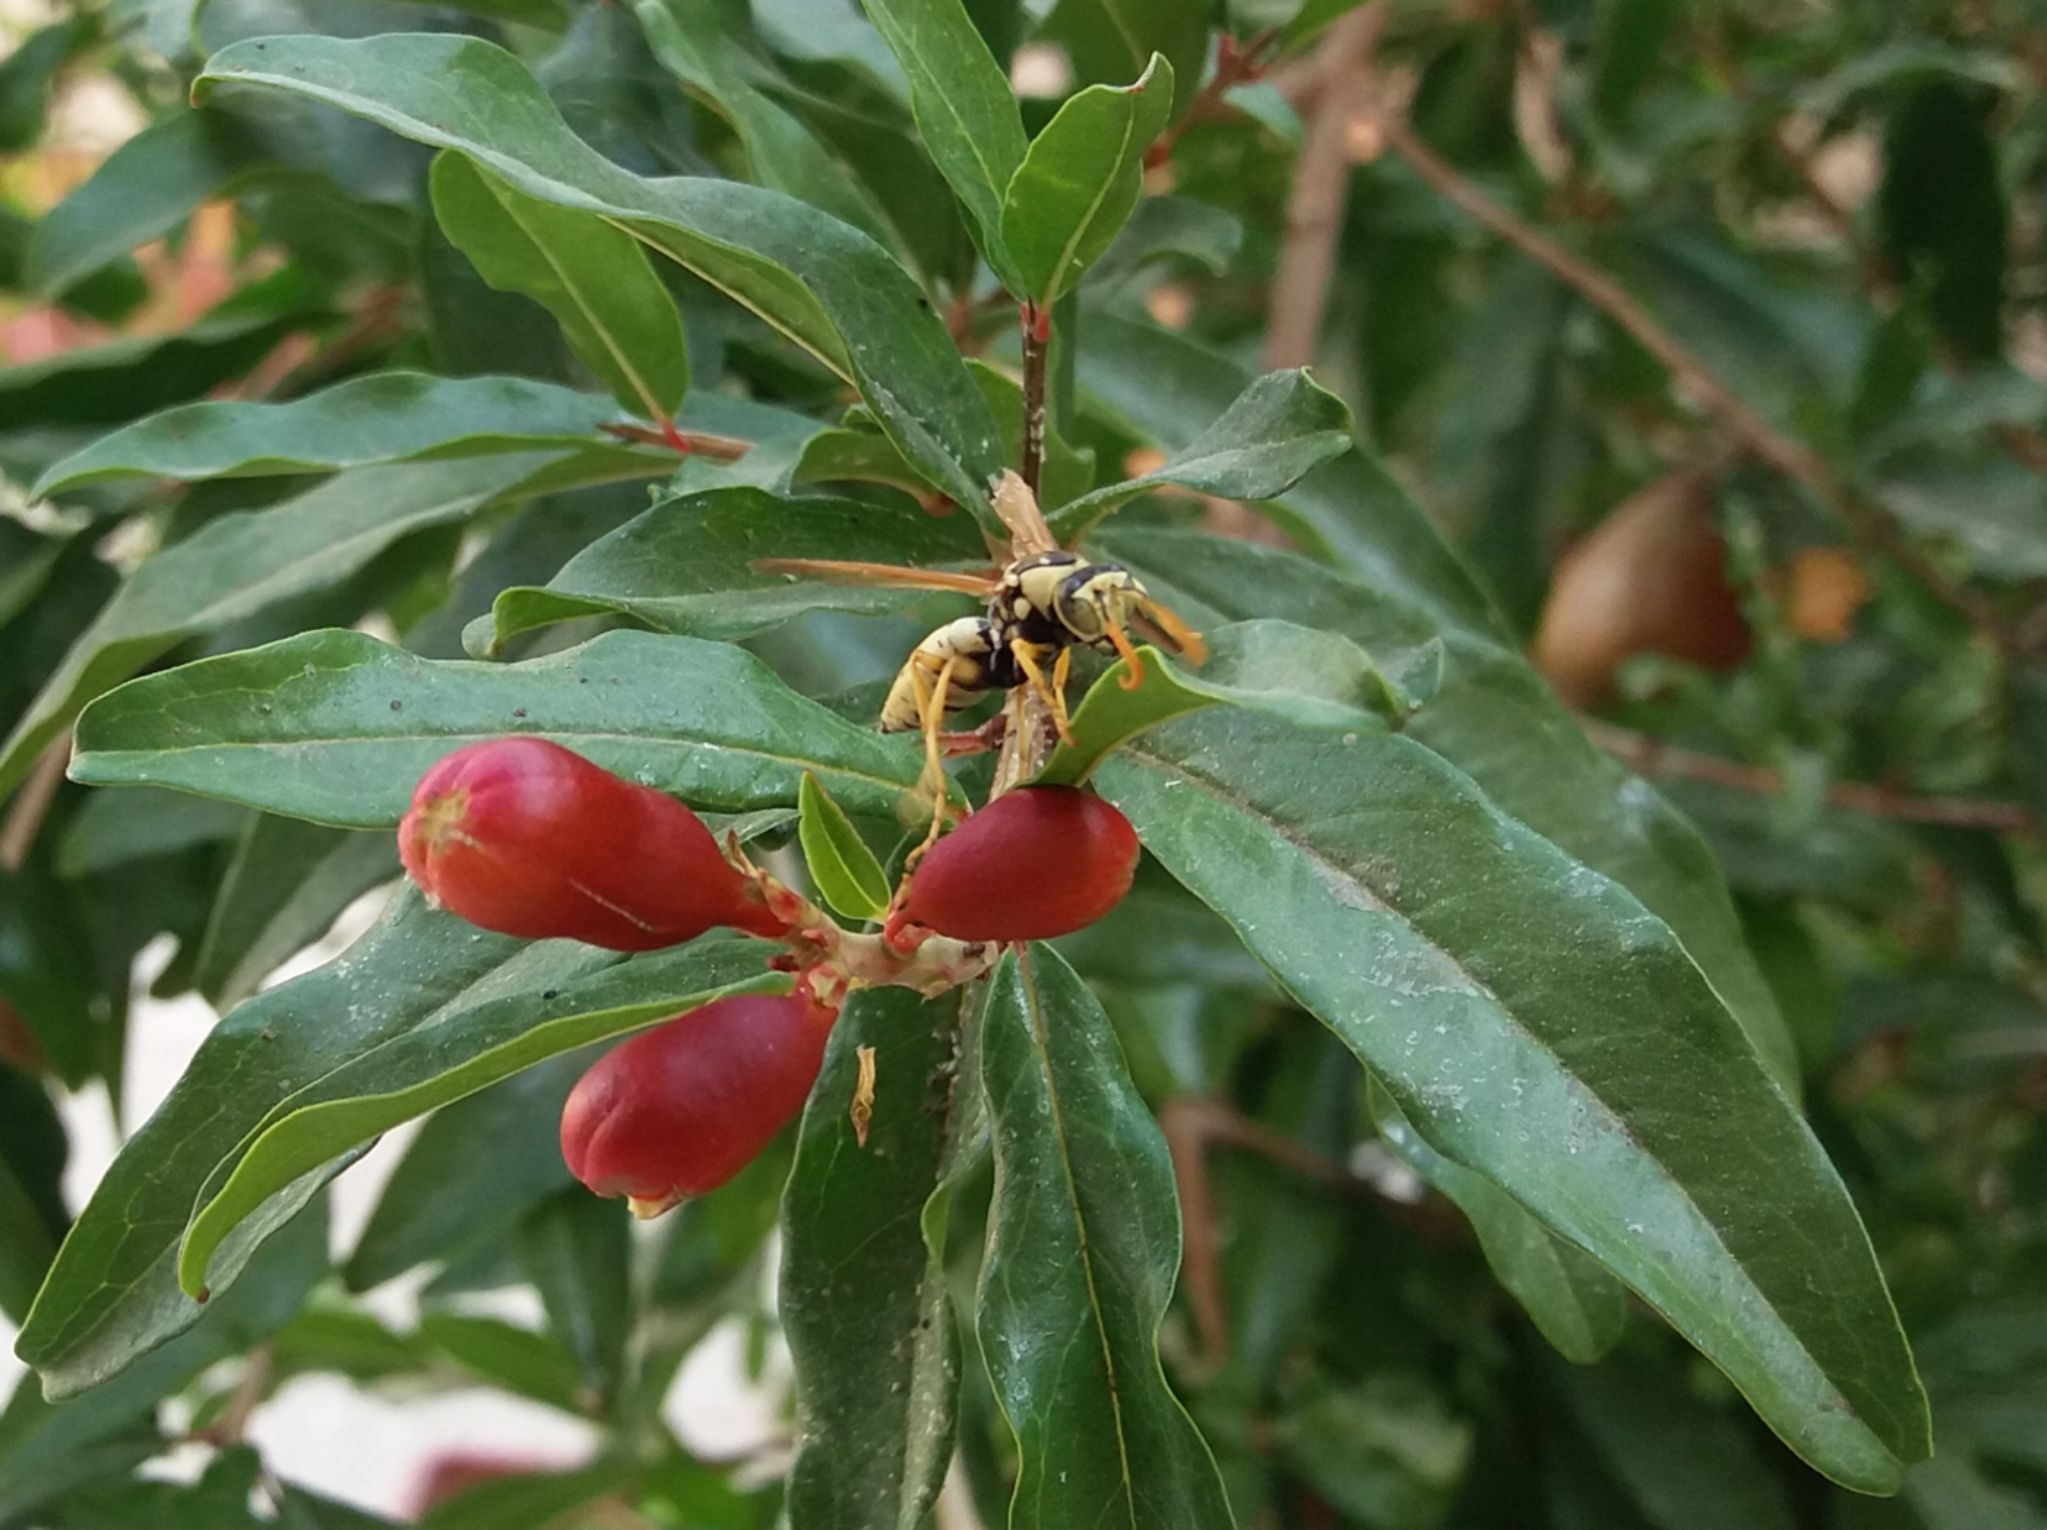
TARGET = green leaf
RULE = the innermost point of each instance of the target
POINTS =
(110, 384)
(286, 885)
(1169, 230)
(532, 1500)
(28, 74)
(1083, 1247)
(686, 565)
(1941, 211)
(1351, 512)
(1276, 432)
(358, 722)
(465, 1050)
(517, 1360)
(1494, 719)
(1540, 1026)
(689, 39)
(387, 417)
(113, 828)
(864, 1301)
(1578, 1306)
(239, 565)
(577, 1251)
(449, 1197)
(595, 279)
(843, 867)
(1079, 180)
(828, 287)
(1314, 678)
(965, 112)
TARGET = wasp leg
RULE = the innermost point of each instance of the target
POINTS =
(1054, 696)
(931, 691)
(1121, 641)
(1178, 633)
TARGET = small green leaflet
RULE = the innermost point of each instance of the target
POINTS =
(840, 862)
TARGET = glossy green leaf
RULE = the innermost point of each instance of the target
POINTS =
(1351, 512)
(357, 723)
(1277, 431)
(1496, 721)
(112, 1295)
(686, 564)
(1578, 1306)
(841, 864)
(965, 112)
(864, 1302)
(826, 286)
(387, 417)
(577, 1250)
(1537, 1024)
(285, 886)
(1079, 180)
(464, 1051)
(688, 37)
(1169, 230)
(109, 384)
(241, 564)
(1083, 1249)
(28, 75)
(113, 828)
(1313, 678)
(594, 278)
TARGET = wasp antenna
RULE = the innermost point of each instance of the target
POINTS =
(1183, 637)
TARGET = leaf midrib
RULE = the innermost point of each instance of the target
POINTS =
(1215, 790)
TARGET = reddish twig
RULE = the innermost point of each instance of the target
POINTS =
(1653, 757)
(25, 818)
(687, 443)
(1235, 64)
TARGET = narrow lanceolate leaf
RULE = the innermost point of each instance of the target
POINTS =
(1079, 180)
(1083, 1249)
(966, 113)
(112, 1295)
(240, 564)
(864, 1301)
(841, 864)
(388, 417)
(1578, 1306)
(337, 726)
(1494, 719)
(466, 1049)
(688, 37)
(594, 279)
(1276, 432)
(686, 565)
(1313, 678)
(1541, 1027)
(827, 286)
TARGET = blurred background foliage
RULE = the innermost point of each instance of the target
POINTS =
(1715, 335)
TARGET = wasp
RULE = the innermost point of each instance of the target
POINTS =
(1040, 605)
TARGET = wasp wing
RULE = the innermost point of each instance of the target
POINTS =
(884, 575)
(1018, 508)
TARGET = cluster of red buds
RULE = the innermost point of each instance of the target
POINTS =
(524, 837)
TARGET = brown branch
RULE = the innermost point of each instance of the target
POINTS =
(1653, 757)
(1314, 214)
(688, 443)
(1866, 522)
(250, 1390)
(1037, 346)
(25, 818)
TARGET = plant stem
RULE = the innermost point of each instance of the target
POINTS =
(25, 817)
(1037, 345)
(1233, 65)
(1314, 213)
(1653, 757)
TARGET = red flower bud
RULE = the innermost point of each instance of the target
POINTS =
(521, 836)
(680, 1109)
(1038, 862)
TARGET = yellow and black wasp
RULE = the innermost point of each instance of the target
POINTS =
(1041, 604)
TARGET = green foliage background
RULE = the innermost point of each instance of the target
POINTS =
(1452, 1128)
